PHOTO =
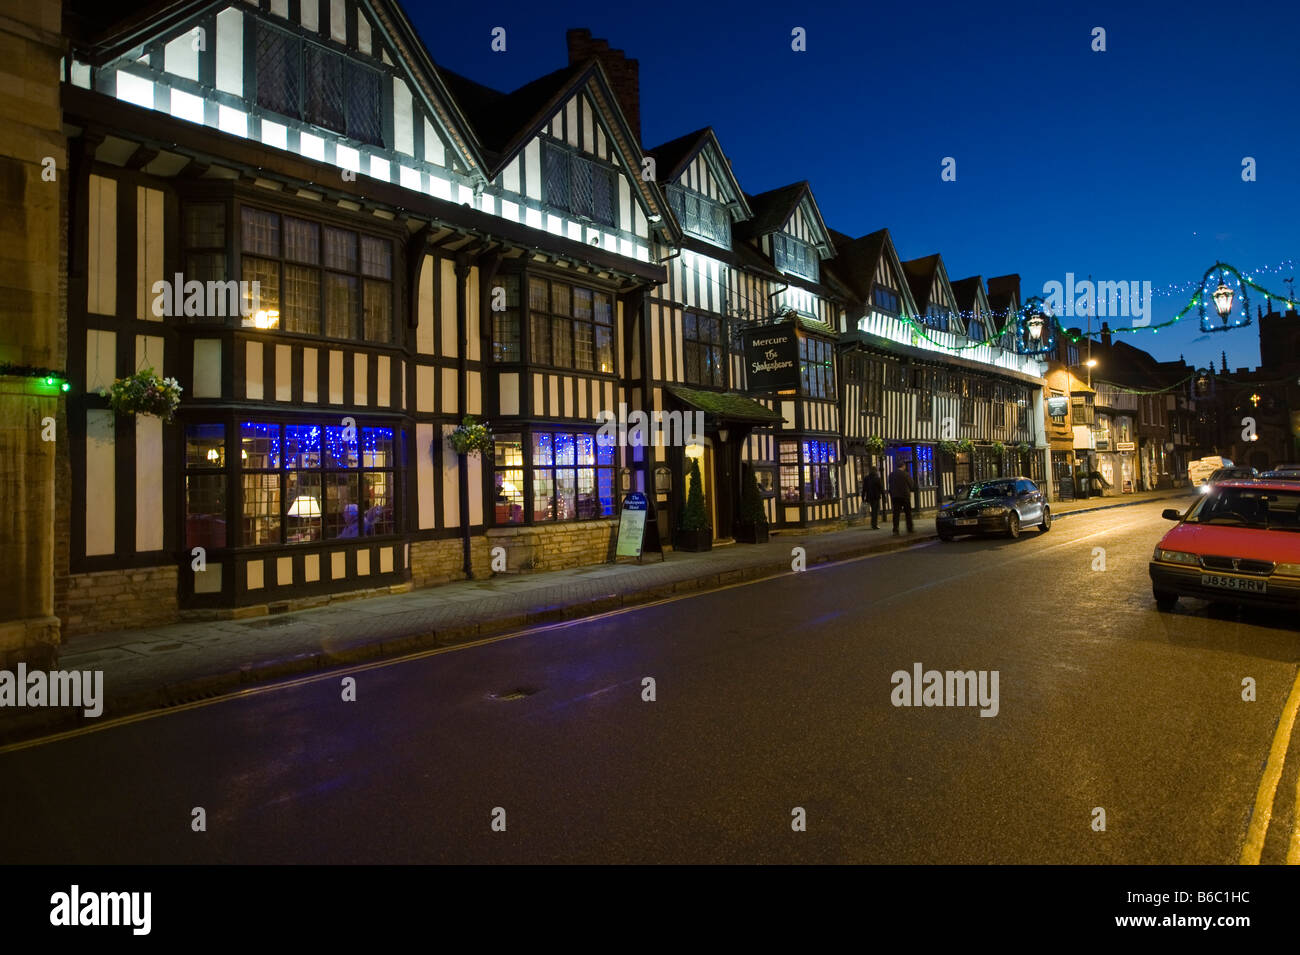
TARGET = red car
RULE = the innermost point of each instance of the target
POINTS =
(1240, 542)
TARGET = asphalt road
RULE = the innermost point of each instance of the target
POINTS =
(769, 696)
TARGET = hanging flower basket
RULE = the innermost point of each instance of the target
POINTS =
(999, 449)
(965, 445)
(1023, 447)
(875, 445)
(145, 393)
(471, 436)
(949, 448)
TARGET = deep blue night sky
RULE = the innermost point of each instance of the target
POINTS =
(1124, 164)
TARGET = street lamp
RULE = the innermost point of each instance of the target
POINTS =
(1223, 299)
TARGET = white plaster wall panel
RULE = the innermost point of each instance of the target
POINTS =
(101, 265)
(254, 377)
(101, 359)
(148, 483)
(101, 474)
(310, 371)
(424, 438)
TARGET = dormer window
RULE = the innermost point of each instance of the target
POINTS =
(578, 186)
(306, 81)
(700, 216)
(885, 299)
(936, 317)
(794, 256)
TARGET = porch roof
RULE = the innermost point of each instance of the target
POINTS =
(725, 405)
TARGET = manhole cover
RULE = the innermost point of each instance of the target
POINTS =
(516, 694)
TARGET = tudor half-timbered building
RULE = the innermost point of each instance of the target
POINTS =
(340, 250)
(288, 209)
(910, 387)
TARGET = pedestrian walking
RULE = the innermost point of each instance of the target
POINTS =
(873, 489)
(901, 487)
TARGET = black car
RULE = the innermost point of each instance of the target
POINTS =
(999, 506)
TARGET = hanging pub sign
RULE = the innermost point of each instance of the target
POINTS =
(632, 529)
(771, 358)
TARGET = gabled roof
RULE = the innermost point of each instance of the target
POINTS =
(1004, 292)
(920, 278)
(969, 292)
(506, 122)
(498, 117)
(672, 158)
(104, 31)
(857, 260)
(773, 209)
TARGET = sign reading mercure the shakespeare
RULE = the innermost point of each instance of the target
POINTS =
(771, 358)
(1058, 406)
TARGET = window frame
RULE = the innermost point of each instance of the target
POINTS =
(351, 69)
(234, 471)
(529, 448)
(531, 315)
(553, 150)
(793, 251)
(715, 348)
(361, 279)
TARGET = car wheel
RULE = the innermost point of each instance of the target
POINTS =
(1047, 521)
(1013, 525)
(1165, 602)
(945, 535)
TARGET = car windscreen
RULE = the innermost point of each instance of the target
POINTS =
(1262, 508)
(971, 492)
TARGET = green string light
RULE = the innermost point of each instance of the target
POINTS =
(919, 329)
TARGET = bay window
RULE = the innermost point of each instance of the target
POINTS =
(809, 471)
(314, 279)
(297, 483)
(570, 326)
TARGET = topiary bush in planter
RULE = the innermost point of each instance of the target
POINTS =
(752, 528)
(694, 533)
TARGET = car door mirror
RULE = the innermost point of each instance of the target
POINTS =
(1171, 514)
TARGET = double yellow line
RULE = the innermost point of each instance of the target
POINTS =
(1264, 797)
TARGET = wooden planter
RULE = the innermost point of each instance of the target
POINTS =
(752, 533)
(697, 541)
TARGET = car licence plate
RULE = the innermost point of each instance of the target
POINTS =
(965, 521)
(1234, 583)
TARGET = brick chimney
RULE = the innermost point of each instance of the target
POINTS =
(1105, 334)
(624, 74)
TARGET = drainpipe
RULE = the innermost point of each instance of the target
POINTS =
(462, 398)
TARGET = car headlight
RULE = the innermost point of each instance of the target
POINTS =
(1287, 570)
(993, 509)
(1205, 489)
(1175, 556)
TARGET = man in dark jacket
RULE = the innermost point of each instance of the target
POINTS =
(901, 487)
(872, 491)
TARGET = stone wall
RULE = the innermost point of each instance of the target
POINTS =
(33, 165)
(120, 600)
(525, 549)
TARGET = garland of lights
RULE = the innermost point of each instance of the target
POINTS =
(918, 327)
(52, 376)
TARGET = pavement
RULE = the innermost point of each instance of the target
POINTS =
(167, 666)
